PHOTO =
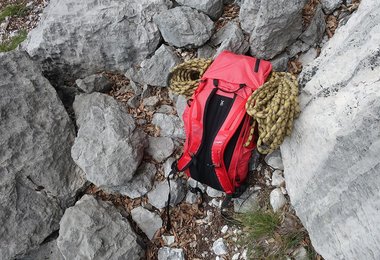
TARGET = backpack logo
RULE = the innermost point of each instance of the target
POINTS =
(221, 103)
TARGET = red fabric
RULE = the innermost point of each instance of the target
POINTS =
(231, 70)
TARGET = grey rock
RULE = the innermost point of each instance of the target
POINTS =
(213, 8)
(137, 89)
(75, 39)
(38, 177)
(191, 198)
(181, 105)
(141, 183)
(166, 109)
(134, 102)
(158, 197)
(273, 25)
(277, 179)
(330, 5)
(219, 247)
(151, 102)
(277, 199)
(213, 193)
(108, 147)
(280, 62)
(206, 51)
(300, 254)
(247, 202)
(170, 125)
(195, 184)
(274, 160)
(160, 148)
(230, 38)
(308, 57)
(149, 222)
(155, 70)
(94, 83)
(91, 229)
(331, 161)
(167, 253)
(146, 91)
(168, 240)
(168, 166)
(314, 32)
(183, 26)
(47, 250)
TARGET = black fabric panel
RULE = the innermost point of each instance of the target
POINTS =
(231, 146)
(201, 168)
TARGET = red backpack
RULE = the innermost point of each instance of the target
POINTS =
(217, 125)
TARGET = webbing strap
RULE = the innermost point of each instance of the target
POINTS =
(173, 171)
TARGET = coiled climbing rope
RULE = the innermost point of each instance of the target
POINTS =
(184, 78)
(273, 106)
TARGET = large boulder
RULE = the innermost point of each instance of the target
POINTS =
(109, 147)
(96, 230)
(38, 178)
(273, 25)
(331, 161)
(78, 38)
(184, 26)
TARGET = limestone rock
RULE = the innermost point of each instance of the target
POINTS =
(183, 26)
(160, 148)
(47, 250)
(277, 199)
(159, 195)
(38, 177)
(331, 161)
(280, 62)
(247, 202)
(141, 183)
(330, 5)
(168, 166)
(219, 247)
(155, 70)
(149, 222)
(277, 179)
(167, 253)
(274, 160)
(94, 83)
(91, 229)
(75, 39)
(273, 25)
(170, 125)
(108, 147)
(213, 8)
(213, 193)
(230, 38)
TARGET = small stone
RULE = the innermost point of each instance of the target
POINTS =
(151, 102)
(140, 121)
(168, 240)
(235, 256)
(134, 102)
(170, 125)
(137, 89)
(300, 254)
(160, 148)
(219, 247)
(244, 255)
(215, 203)
(146, 92)
(168, 166)
(274, 160)
(277, 199)
(277, 179)
(193, 183)
(148, 222)
(224, 229)
(94, 83)
(159, 195)
(280, 62)
(213, 193)
(284, 191)
(167, 253)
(165, 109)
(191, 198)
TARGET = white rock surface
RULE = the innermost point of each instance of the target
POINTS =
(274, 160)
(277, 199)
(168, 240)
(331, 161)
(213, 193)
(219, 247)
(167, 253)
(277, 179)
(149, 222)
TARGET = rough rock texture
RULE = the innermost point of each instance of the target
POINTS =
(170, 125)
(167, 253)
(158, 197)
(230, 38)
(331, 161)
(330, 5)
(96, 230)
(109, 147)
(160, 148)
(273, 25)
(277, 199)
(38, 178)
(78, 38)
(141, 183)
(183, 26)
(46, 251)
(213, 8)
(94, 83)
(155, 71)
(219, 247)
(149, 222)
(247, 202)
